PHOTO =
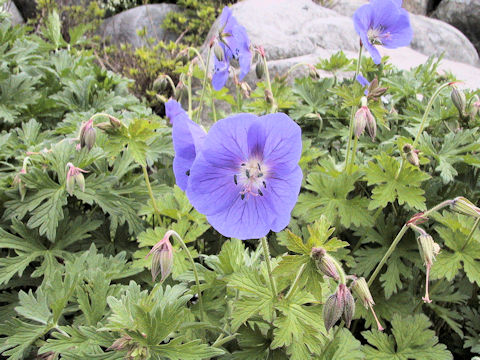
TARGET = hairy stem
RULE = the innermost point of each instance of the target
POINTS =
(266, 254)
(199, 114)
(180, 240)
(294, 286)
(352, 112)
(470, 235)
(269, 83)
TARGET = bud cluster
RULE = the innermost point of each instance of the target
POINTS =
(162, 261)
(374, 90)
(88, 135)
(74, 176)
(411, 154)
(364, 118)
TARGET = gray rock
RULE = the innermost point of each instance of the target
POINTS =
(419, 7)
(15, 16)
(123, 27)
(464, 15)
(430, 37)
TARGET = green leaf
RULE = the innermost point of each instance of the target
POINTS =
(343, 347)
(179, 350)
(332, 198)
(392, 185)
(410, 339)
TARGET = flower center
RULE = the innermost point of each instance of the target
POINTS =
(251, 177)
(376, 36)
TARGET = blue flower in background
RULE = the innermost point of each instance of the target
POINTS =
(382, 22)
(234, 42)
(187, 141)
(246, 179)
(364, 82)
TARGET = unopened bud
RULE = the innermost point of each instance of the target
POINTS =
(313, 73)
(219, 53)
(116, 123)
(371, 125)
(412, 158)
(349, 307)
(160, 85)
(475, 107)
(87, 135)
(427, 248)
(80, 180)
(181, 91)
(324, 262)
(120, 343)
(104, 126)
(246, 89)
(332, 310)
(459, 100)
(360, 288)
(74, 175)
(374, 90)
(360, 121)
(259, 69)
(17, 181)
(464, 206)
(269, 96)
(162, 261)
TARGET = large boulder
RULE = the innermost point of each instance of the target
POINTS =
(464, 15)
(420, 7)
(27, 8)
(123, 27)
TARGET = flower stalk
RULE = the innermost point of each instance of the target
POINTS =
(266, 254)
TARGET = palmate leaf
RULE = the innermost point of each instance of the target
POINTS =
(331, 198)
(179, 349)
(20, 337)
(390, 185)
(454, 147)
(343, 347)
(454, 232)
(411, 339)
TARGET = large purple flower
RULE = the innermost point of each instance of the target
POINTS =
(246, 179)
(235, 44)
(187, 141)
(382, 22)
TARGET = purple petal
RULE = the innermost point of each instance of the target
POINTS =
(220, 74)
(242, 49)
(211, 189)
(362, 19)
(282, 194)
(377, 58)
(362, 80)
(384, 13)
(187, 138)
(283, 143)
(401, 33)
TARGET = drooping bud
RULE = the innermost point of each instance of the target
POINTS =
(181, 91)
(332, 310)
(464, 206)
(160, 85)
(428, 251)
(360, 288)
(349, 307)
(246, 89)
(162, 261)
(459, 100)
(74, 175)
(17, 181)
(338, 304)
(116, 123)
(219, 53)
(324, 262)
(313, 72)
(360, 121)
(259, 69)
(87, 135)
(475, 107)
(371, 124)
(411, 154)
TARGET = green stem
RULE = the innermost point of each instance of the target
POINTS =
(399, 237)
(294, 286)
(266, 253)
(189, 89)
(388, 253)
(352, 112)
(470, 235)
(180, 240)
(269, 83)
(220, 341)
(354, 152)
(214, 111)
(422, 123)
(199, 114)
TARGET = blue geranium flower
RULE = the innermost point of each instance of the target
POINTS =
(235, 44)
(364, 82)
(246, 178)
(382, 22)
(187, 137)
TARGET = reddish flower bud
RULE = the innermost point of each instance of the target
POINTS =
(74, 175)
(429, 249)
(87, 135)
(162, 261)
(338, 304)
(360, 288)
(360, 121)
(325, 263)
(459, 100)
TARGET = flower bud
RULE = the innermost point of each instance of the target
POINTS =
(116, 123)
(313, 73)
(269, 96)
(104, 126)
(459, 100)
(259, 69)
(360, 121)
(17, 181)
(74, 175)
(160, 85)
(162, 261)
(219, 53)
(360, 288)
(428, 250)
(475, 107)
(332, 311)
(181, 91)
(349, 307)
(371, 125)
(87, 135)
(80, 180)
(246, 89)
(324, 262)
(464, 206)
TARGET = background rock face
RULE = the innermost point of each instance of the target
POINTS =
(27, 8)
(16, 18)
(464, 15)
(420, 7)
(123, 27)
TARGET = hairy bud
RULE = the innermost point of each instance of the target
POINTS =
(429, 249)
(246, 89)
(475, 107)
(160, 85)
(259, 69)
(17, 181)
(219, 53)
(349, 307)
(459, 100)
(74, 176)
(324, 262)
(162, 261)
(269, 96)
(360, 121)
(360, 288)
(338, 304)
(464, 206)
(87, 135)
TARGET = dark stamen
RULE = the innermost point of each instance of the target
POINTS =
(259, 168)
(260, 193)
(247, 172)
(242, 164)
(235, 179)
(260, 175)
(242, 196)
(264, 184)
(188, 173)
